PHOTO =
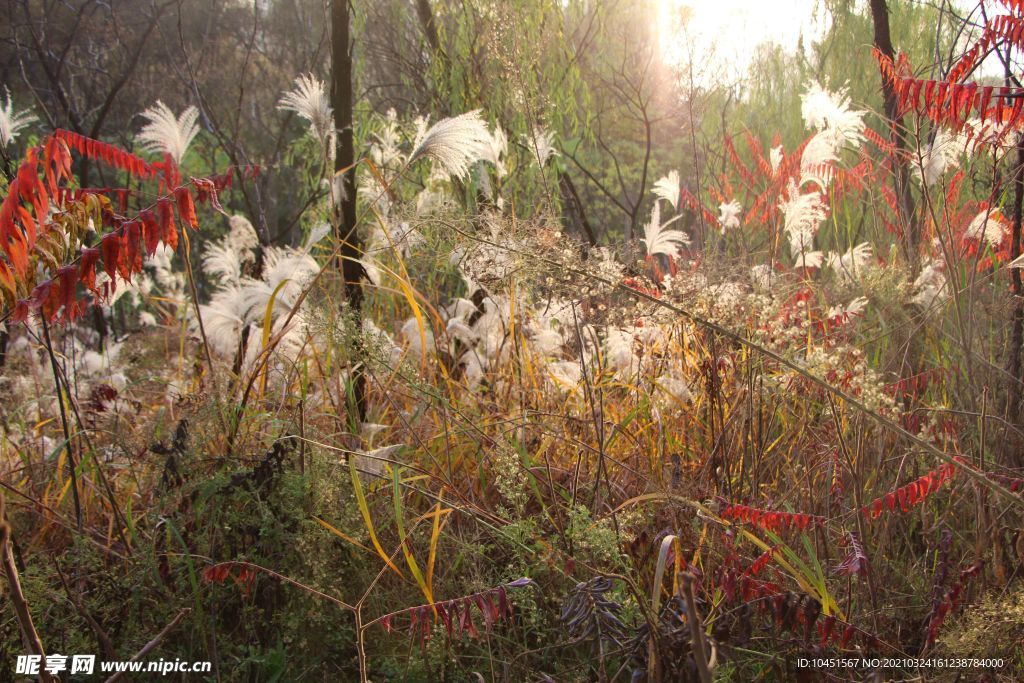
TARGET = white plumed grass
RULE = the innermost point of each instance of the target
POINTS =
(729, 215)
(659, 240)
(223, 320)
(541, 145)
(775, 157)
(497, 151)
(285, 268)
(987, 227)
(169, 134)
(455, 143)
(619, 353)
(242, 237)
(12, 122)
(667, 188)
(565, 375)
(851, 263)
(821, 151)
(826, 110)
(930, 284)
(802, 214)
(309, 100)
(220, 261)
(223, 260)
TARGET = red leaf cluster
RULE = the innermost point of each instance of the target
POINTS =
(25, 211)
(841, 633)
(908, 495)
(121, 194)
(950, 602)
(951, 101)
(1012, 483)
(690, 201)
(915, 385)
(120, 251)
(758, 565)
(769, 519)
(221, 573)
(107, 153)
(795, 612)
(41, 181)
(876, 139)
(638, 286)
(457, 614)
(737, 163)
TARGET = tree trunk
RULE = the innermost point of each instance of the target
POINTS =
(443, 84)
(345, 174)
(574, 208)
(426, 15)
(901, 184)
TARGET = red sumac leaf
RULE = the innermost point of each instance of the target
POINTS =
(425, 623)
(825, 629)
(504, 606)
(46, 299)
(17, 252)
(132, 231)
(454, 615)
(168, 231)
(87, 268)
(206, 191)
(68, 276)
(151, 231)
(110, 245)
(29, 223)
(848, 633)
(485, 609)
(186, 207)
(106, 153)
(467, 619)
(20, 313)
(7, 278)
(445, 619)
(40, 294)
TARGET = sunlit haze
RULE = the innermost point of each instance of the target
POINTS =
(727, 33)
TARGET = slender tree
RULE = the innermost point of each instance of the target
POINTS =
(901, 180)
(344, 183)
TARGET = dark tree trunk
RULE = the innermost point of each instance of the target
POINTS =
(429, 26)
(345, 172)
(574, 207)
(426, 15)
(901, 184)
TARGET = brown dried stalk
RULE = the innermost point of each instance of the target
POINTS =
(697, 645)
(29, 636)
(152, 644)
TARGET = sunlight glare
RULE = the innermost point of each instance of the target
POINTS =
(723, 35)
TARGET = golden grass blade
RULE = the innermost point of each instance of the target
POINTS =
(340, 534)
(268, 323)
(364, 509)
(414, 568)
